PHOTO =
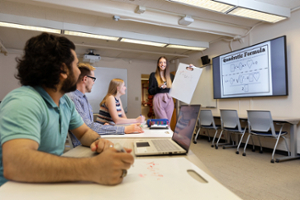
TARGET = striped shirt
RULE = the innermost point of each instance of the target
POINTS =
(85, 111)
(104, 115)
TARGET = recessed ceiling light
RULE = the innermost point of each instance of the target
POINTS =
(248, 13)
(157, 44)
(31, 28)
(88, 35)
(186, 47)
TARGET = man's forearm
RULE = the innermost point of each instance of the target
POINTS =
(89, 137)
(34, 166)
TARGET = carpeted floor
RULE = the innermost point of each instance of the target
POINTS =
(251, 177)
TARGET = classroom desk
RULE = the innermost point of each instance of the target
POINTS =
(171, 186)
(292, 121)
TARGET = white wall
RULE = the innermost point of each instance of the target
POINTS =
(8, 69)
(134, 70)
(287, 106)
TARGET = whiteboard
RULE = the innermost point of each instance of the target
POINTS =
(99, 90)
(185, 82)
(203, 93)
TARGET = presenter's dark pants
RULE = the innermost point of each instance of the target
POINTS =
(163, 106)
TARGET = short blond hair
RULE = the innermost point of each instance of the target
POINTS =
(87, 65)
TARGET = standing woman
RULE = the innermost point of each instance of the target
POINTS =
(159, 85)
(111, 109)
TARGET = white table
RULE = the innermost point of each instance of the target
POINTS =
(170, 178)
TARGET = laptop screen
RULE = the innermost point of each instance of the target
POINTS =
(185, 125)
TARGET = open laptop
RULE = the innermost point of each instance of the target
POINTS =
(182, 136)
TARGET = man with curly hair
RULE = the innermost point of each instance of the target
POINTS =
(35, 119)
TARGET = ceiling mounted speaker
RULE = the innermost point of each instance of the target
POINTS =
(205, 60)
(185, 21)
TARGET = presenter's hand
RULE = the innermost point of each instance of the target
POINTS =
(163, 86)
(108, 167)
(133, 128)
(101, 145)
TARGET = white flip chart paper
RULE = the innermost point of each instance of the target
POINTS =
(185, 82)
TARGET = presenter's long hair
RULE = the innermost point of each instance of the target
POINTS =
(166, 73)
(112, 88)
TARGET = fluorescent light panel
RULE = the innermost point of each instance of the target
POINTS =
(31, 28)
(80, 34)
(243, 12)
(143, 42)
(206, 4)
(88, 35)
(185, 47)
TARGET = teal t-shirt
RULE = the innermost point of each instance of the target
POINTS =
(30, 113)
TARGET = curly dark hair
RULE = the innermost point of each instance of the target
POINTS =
(43, 58)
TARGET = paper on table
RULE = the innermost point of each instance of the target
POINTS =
(185, 82)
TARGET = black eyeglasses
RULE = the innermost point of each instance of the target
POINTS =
(94, 78)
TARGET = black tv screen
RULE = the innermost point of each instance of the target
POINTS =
(259, 70)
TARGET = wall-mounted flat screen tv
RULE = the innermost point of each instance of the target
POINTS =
(259, 70)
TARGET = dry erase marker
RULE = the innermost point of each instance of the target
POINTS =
(119, 148)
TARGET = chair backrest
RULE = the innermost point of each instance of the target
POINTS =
(73, 140)
(230, 119)
(206, 118)
(260, 120)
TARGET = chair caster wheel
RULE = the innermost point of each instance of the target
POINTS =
(212, 146)
(224, 148)
(253, 150)
(195, 142)
(244, 154)
(260, 151)
(277, 160)
(272, 161)
(237, 152)
(209, 140)
(216, 147)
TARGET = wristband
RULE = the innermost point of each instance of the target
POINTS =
(97, 139)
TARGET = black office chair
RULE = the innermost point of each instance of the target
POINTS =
(260, 123)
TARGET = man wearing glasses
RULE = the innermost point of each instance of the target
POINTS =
(84, 85)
